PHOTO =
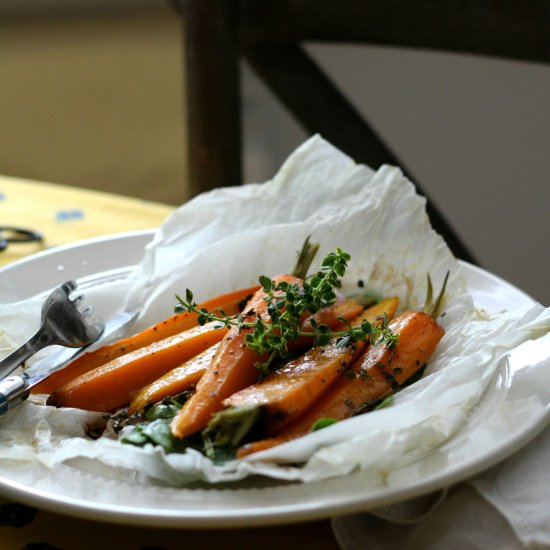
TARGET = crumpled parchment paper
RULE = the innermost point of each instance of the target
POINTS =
(224, 240)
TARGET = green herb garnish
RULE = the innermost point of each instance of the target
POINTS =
(155, 428)
(287, 305)
(386, 402)
(323, 423)
(227, 430)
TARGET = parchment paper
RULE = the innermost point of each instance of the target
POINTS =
(225, 239)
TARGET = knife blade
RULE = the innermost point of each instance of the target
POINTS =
(15, 388)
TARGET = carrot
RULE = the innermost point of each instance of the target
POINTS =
(232, 369)
(330, 316)
(177, 380)
(113, 384)
(188, 374)
(233, 366)
(291, 390)
(377, 373)
(230, 303)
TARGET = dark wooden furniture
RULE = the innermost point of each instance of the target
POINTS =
(269, 34)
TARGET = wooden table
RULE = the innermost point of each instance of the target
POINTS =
(63, 215)
(66, 214)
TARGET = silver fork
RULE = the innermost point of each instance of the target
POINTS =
(62, 323)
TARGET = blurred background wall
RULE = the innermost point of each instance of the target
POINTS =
(91, 94)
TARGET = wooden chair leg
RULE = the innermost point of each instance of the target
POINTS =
(212, 92)
(321, 108)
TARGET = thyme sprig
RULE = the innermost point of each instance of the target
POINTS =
(286, 305)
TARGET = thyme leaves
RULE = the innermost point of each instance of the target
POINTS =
(287, 304)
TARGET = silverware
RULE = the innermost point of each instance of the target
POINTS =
(16, 388)
(63, 324)
(9, 234)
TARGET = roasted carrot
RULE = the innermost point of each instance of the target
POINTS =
(330, 316)
(113, 384)
(232, 369)
(378, 372)
(179, 379)
(187, 375)
(290, 391)
(233, 366)
(230, 303)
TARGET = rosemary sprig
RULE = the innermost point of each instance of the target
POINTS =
(286, 305)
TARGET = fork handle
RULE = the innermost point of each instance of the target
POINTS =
(13, 390)
(40, 340)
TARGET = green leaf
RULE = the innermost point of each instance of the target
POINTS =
(229, 427)
(323, 335)
(135, 437)
(266, 282)
(388, 401)
(202, 319)
(323, 423)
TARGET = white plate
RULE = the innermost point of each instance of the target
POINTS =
(19, 280)
(498, 427)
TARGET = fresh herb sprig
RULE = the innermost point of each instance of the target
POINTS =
(286, 305)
